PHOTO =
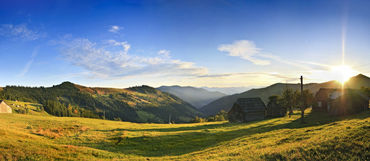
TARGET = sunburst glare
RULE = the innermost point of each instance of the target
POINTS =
(342, 73)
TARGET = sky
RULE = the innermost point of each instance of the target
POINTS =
(208, 43)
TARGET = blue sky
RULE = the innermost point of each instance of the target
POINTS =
(215, 43)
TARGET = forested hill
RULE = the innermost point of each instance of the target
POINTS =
(136, 104)
(225, 103)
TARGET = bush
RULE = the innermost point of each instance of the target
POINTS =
(198, 120)
(220, 116)
(117, 119)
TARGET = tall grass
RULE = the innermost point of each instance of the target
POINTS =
(30, 137)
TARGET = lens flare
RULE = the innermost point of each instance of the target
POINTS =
(342, 73)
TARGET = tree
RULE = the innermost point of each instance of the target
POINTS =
(307, 100)
(288, 100)
(275, 107)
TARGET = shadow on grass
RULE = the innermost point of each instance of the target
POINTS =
(187, 142)
(174, 129)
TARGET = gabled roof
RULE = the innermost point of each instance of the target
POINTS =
(324, 93)
(251, 103)
(357, 93)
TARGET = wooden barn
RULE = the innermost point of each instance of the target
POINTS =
(322, 99)
(273, 109)
(247, 109)
(340, 101)
(4, 108)
(348, 102)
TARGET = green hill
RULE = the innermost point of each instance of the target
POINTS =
(225, 103)
(198, 97)
(136, 104)
(30, 137)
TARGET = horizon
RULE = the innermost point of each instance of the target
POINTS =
(202, 87)
(214, 44)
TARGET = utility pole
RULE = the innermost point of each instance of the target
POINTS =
(302, 99)
(169, 119)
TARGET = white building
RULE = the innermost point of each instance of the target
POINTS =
(4, 108)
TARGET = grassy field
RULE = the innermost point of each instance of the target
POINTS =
(34, 137)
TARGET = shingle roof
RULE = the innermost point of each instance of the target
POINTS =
(251, 103)
(324, 93)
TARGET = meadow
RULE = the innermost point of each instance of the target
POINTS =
(45, 137)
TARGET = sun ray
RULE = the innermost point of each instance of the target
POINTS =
(342, 73)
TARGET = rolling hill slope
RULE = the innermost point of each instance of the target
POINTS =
(225, 103)
(323, 137)
(198, 97)
(136, 104)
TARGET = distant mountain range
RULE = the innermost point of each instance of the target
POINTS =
(225, 103)
(198, 97)
(228, 90)
(147, 104)
(136, 104)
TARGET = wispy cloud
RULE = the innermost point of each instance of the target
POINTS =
(164, 52)
(110, 62)
(250, 74)
(115, 29)
(124, 44)
(286, 61)
(27, 67)
(243, 79)
(244, 49)
(19, 32)
(247, 50)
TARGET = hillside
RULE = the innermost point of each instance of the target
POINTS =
(26, 108)
(29, 137)
(136, 104)
(225, 103)
(198, 97)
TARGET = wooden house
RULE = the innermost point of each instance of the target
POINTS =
(347, 102)
(340, 101)
(247, 109)
(322, 99)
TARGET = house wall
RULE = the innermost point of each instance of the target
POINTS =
(335, 94)
(348, 105)
(254, 115)
(235, 114)
(321, 105)
(4, 108)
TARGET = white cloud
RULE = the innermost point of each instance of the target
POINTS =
(164, 52)
(123, 44)
(19, 32)
(244, 49)
(115, 29)
(110, 62)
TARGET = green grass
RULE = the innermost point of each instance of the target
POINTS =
(33, 108)
(31, 137)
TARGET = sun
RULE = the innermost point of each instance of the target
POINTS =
(342, 73)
